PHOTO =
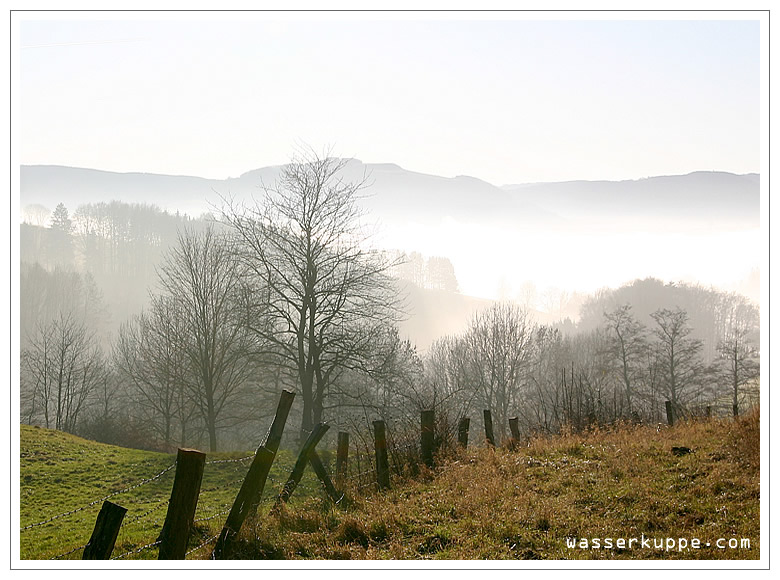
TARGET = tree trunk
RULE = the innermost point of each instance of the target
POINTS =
(308, 405)
(211, 420)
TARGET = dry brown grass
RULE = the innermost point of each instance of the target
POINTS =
(523, 503)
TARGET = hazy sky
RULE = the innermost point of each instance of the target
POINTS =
(506, 101)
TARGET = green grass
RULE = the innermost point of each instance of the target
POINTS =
(60, 473)
(478, 504)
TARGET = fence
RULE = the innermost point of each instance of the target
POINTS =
(358, 472)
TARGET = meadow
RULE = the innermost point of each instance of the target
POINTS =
(698, 480)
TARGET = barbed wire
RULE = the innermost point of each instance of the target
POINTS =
(206, 543)
(68, 553)
(102, 499)
(162, 503)
(138, 551)
(216, 515)
(229, 460)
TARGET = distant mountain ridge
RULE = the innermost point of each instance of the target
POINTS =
(695, 195)
(395, 195)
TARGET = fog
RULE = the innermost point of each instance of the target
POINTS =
(582, 262)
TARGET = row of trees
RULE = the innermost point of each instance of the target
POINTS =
(621, 370)
(283, 292)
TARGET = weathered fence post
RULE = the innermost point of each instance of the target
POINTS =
(463, 431)
(297, 472)
(322, 474)
(251, 488)
(513, 427)
(426, 436)
(272, 442)
(380, 448)
(669, 413)
(342, 458)
(181, 507)
(277, 427)
(709, 412)
(489, 428)
(107, 525)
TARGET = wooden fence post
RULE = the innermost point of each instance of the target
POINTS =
(669, 413)
(101, 544)
(380, 448)
(342, 458)
(277, 427)
(513, 427)
(181, 507)
(463, 431)
(709, 412)
(322, 474)
(427, 419)
(489, 428)
(273, 440)
(251, 488)
(300, 465)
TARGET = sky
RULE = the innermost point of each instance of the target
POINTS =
(497, 96)
(507, 101)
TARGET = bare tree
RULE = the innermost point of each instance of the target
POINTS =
(627, 345)
(548, 357)
(449, 385)
(203, 279)
(498, 353)
(322, 294)
(679, 355)
(739, 354)
(148, 353)
(61, 367)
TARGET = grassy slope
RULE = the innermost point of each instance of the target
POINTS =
(524, 504)
(483, 504)
(60, 473)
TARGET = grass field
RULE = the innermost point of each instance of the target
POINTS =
(60, 473)
(626, 482)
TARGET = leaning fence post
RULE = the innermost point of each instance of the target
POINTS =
(463, 431)
(489, 428)
(669, 413)
(272, 441)
(322, 474)
(181, 507)
(251, 488)
(342, 458)
(380, 448)
(426, 436)
(101, 544)
(277, 427)
(300, 465)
